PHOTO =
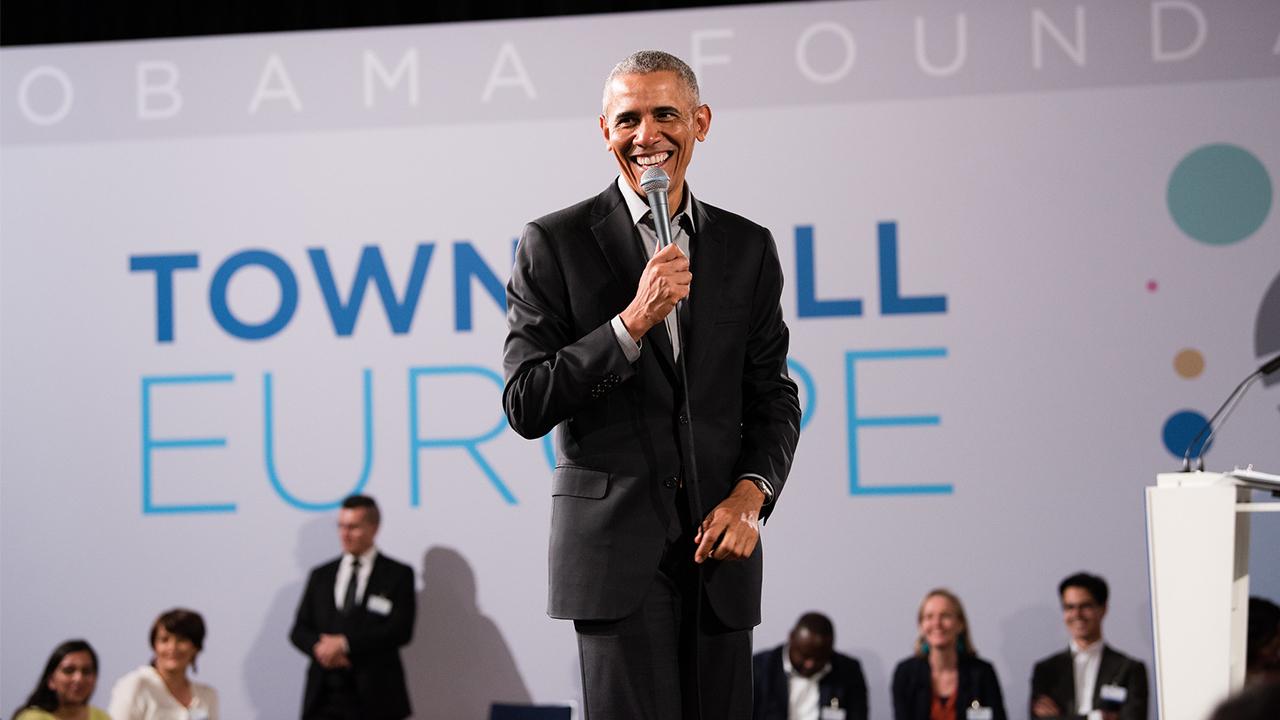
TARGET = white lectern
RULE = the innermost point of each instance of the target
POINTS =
(1198, 555)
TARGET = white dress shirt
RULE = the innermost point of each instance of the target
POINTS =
(649, 239)
(802, 692)
(344, 577)
(1086, 661)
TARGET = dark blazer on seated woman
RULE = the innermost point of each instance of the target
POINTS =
(977, 683)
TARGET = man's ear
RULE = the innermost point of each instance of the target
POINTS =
(702, 122)
(604, 130)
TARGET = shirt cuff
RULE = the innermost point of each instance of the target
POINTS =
(630, 347)
(764, 484)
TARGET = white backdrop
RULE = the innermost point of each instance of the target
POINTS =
(1039, 166)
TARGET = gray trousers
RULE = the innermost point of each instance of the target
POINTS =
(671, 659)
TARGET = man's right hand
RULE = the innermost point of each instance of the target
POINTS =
(1045, 707)
(330, 652)
(664, 282)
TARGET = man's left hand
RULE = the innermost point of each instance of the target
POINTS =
(732, 529)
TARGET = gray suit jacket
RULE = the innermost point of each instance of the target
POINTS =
(620, 446)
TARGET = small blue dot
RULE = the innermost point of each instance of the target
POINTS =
(1180, 429)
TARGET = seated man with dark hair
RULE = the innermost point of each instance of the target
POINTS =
(1088, 679)
(1262, 643)
(805, 679)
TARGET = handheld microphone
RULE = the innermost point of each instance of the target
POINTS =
(1228, 406)
(655, 182)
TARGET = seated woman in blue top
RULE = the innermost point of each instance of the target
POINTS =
(945, 679)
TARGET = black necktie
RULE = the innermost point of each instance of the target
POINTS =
(686, 322)
(349, 601)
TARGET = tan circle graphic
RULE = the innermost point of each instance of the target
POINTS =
(1189, 363)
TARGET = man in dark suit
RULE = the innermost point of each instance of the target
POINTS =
(1090, 678)
(355, 615)
(659, 567)
(806, 679)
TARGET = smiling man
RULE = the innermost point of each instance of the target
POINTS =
(661, 578)
(1089, 679)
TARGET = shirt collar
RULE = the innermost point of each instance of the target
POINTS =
(791, 671)
(1090, 651)
(366, 558)
(637, 205)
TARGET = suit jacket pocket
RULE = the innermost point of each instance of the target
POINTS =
(579, 482)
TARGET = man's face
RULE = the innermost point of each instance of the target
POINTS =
(355, 530)
(808, 652)
(1082, 615)
(649, 120)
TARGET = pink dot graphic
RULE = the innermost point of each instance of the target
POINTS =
(1152, 286)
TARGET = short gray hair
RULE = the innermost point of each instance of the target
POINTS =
(643, 62)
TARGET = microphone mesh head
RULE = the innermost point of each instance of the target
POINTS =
(654, 179)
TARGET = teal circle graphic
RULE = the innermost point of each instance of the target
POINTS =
(1219, 194)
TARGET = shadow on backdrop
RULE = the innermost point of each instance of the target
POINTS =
(274, 670)
(457, 664)
(876, 675)
(1030, 634)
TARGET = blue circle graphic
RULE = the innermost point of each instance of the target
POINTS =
(1219, 194)
(1180, 429)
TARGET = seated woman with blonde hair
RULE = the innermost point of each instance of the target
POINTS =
(63, 693)
(161, 690)
(945, 679)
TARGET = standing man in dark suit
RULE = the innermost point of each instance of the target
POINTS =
(806, 679)
(1089, 679)
(355, 615)
(660, 574)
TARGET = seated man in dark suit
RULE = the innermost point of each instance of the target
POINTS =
(355, 615)
(1089, 679)
(805, 679)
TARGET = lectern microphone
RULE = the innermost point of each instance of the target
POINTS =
(1224, 410)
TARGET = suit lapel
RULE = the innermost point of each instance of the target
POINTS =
(704, 295)
(615, 235)
(1067, 681)
(328, 584)
(1108, 669)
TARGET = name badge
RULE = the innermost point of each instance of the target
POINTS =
(831, 713)
(1113, 693)
(378, 605)
(977, 712)
(198, 713)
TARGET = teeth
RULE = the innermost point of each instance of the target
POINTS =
(653, 159)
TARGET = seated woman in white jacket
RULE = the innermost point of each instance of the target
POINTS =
(161, 690)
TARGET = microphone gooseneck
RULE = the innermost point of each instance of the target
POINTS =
(1225, 411)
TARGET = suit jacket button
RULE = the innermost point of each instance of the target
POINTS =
(670, 483)
(684, 419)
